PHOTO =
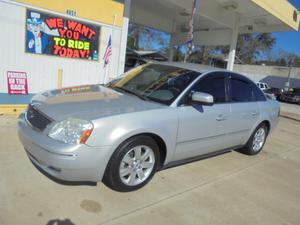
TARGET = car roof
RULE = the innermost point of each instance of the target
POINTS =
(200, 68)
(191, 66)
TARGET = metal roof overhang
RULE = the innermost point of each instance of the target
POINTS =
(215, 18)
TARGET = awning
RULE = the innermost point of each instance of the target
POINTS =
(215, 18)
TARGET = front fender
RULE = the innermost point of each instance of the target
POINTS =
(112, 131)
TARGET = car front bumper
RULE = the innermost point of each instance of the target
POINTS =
(60, 160)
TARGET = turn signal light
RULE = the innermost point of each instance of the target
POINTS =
(85, 136)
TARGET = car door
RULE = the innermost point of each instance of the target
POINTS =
(202, 128)
(244, 109)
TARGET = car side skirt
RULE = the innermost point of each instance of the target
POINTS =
(197, 158)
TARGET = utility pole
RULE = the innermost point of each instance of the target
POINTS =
(290, 64)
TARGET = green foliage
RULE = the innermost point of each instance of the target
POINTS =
(178, 54)
(296, 62)
(145, 38)
(283, 58)
(130, 42)
(251, 46)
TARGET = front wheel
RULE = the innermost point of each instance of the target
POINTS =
(257, 140)
(132, 165)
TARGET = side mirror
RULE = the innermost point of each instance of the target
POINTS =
(203, 98)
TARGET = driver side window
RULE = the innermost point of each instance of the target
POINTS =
(213, 84)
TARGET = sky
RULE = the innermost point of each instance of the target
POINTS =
(289, 41)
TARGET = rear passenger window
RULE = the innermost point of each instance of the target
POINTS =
(258, 94)
(241, 91)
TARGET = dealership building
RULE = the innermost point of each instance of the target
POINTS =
(52, 44)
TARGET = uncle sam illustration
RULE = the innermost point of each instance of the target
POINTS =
(37, 34)
(36, 38)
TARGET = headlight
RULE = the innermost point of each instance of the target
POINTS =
(71, 131)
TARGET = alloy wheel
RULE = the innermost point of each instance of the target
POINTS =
(137, 165)
(259, 139)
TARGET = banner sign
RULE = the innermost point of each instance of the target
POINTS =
(17, 83)
(55, 35)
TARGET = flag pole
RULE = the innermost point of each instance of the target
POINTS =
(108, 52)
(111, 38)
(190, 36)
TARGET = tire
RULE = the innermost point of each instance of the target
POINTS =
(257, 141)
(133, 164)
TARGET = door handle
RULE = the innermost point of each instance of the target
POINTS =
(254, 113)
(221, 118)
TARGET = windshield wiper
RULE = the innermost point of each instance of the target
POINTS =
(131, 92)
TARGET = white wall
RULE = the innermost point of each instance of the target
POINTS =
(268, 70)
(42, 70)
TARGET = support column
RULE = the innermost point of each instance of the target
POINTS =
(172, 41)
(171, 47)
(233, 43)
(124, 34)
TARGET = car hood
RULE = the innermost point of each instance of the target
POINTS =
(88, 102)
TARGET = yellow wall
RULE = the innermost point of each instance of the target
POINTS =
(282, 9)
(13, 110)
(97, 10)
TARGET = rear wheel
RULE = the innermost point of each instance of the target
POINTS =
(256, 141)
(132, 165)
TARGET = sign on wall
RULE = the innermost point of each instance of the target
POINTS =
(17, 83)
(55, 35)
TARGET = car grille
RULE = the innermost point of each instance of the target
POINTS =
(36, 119)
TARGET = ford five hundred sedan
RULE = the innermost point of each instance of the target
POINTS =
(158, 115)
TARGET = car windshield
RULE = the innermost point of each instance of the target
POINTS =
(159, 83)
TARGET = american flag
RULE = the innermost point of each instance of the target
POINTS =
(190, 37)
(108, 52)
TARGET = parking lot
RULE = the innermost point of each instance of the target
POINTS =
(228, 189)
(290, 110)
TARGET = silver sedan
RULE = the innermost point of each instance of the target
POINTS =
(158, 115)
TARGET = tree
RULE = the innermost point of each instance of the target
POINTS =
(256, 48)
(202, 54)
(178, 53)
(250, 46)
(284, 58)
(296, 62)
(280, 62)
(145, 38)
